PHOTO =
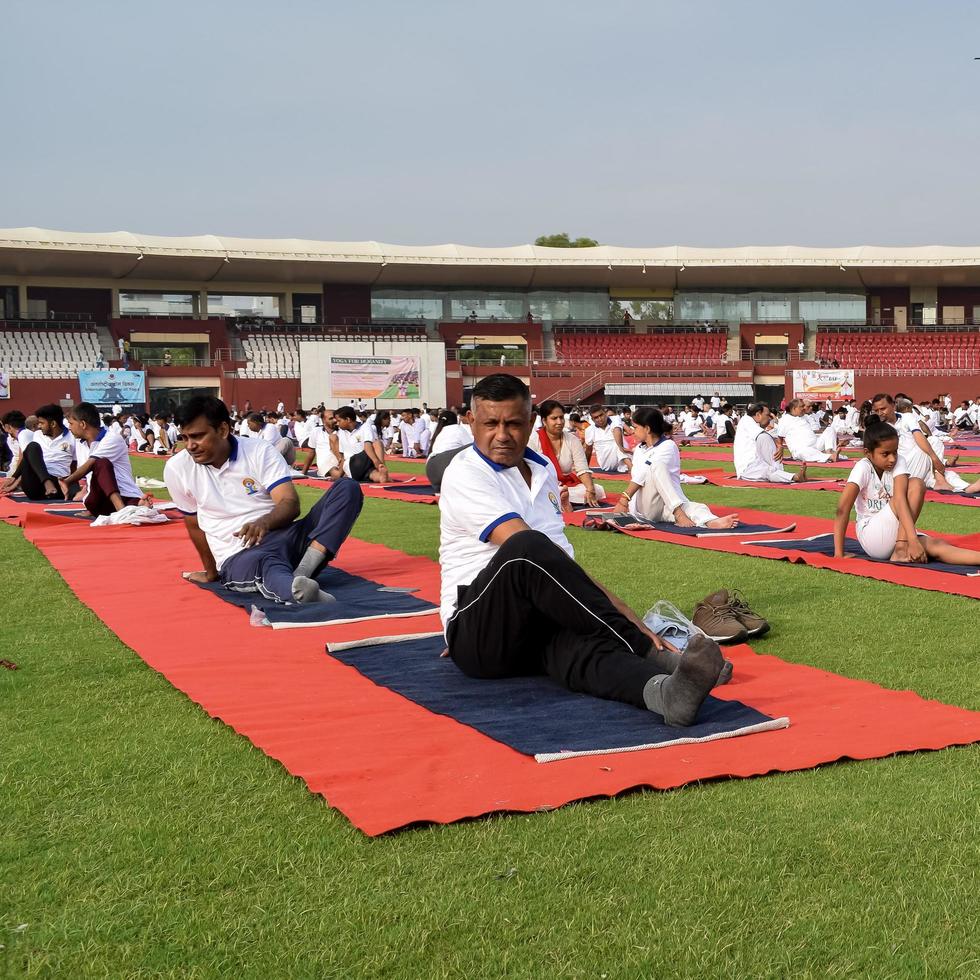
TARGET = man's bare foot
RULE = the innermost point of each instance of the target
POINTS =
(681, 519)
(800, 475)
(731, 520)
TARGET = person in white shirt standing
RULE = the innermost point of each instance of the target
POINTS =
(103, 461)
(241, 510)
(757, 452)
(45, 460)
(515, 602)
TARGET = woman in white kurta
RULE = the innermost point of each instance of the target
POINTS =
(654, 491)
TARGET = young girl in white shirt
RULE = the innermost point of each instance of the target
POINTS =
(654, 491)
(877, 489)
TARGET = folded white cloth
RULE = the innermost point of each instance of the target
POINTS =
(149, 483)
(131, 515)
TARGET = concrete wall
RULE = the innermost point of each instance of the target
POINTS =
(314, 361)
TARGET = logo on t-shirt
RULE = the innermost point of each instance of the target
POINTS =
(554, 502)
(251, 487)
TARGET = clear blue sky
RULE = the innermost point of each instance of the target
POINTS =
(638, 123)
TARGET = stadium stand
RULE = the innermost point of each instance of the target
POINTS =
(918, 350)
(275, 354)
(679, 348)
(47, 353)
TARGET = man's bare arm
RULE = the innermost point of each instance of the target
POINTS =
(200, 542)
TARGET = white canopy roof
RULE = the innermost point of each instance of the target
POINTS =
(209, 258)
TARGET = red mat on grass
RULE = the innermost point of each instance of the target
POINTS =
(910, 575)
(387, 763)
(722, 479)
(843, 464)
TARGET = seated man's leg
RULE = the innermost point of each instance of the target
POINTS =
(265, 568)
(528, 591)
(534, 609)
(435, 466)
(35, 480)
(317, 537)
(101, 488)
(287, 450)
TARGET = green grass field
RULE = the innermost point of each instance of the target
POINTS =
(143, 839)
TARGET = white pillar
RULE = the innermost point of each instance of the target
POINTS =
(22, 300)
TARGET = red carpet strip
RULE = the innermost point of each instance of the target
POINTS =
(915, 576)
(387, 763)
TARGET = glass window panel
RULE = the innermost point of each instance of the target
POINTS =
(573, 305)
(156, 304)
(496, 305)
(389, 304)
(245, 306)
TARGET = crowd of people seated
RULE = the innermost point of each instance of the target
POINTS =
(514, 601)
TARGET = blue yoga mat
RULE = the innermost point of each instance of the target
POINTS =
(356, 598)
(412, 489)
(628, 521)
(535, 715)
(823, 544)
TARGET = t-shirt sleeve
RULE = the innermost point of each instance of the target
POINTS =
(471, 505)
(179, 493)
(859, 474)
(273, 469)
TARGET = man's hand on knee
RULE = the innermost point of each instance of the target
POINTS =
(253, 532)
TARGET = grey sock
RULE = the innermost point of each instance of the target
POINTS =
(678, 696)
(310, 563)
(307, 590)
(664, 660)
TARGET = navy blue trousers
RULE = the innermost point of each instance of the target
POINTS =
(268, 566)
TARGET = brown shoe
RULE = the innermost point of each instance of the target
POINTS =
(716, 618)
(754, 624)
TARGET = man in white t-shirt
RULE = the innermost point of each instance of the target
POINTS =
(18, 436)
(757, 453)
(515, 602)
(241, 510)
(259, 428)
(605, 437)
(46, 459)
(926, 470)
(325, 449)
(102, 461)
(796, 431)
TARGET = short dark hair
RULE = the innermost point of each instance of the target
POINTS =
(547, 407)
(213, 410)
(15, 417)
(87, 413)
(501, 388)
(883, 395)
(755, 408)
(51, 413)
(346, 412)
(876, 433)
(256, 417)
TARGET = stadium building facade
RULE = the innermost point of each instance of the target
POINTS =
(259, 320)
